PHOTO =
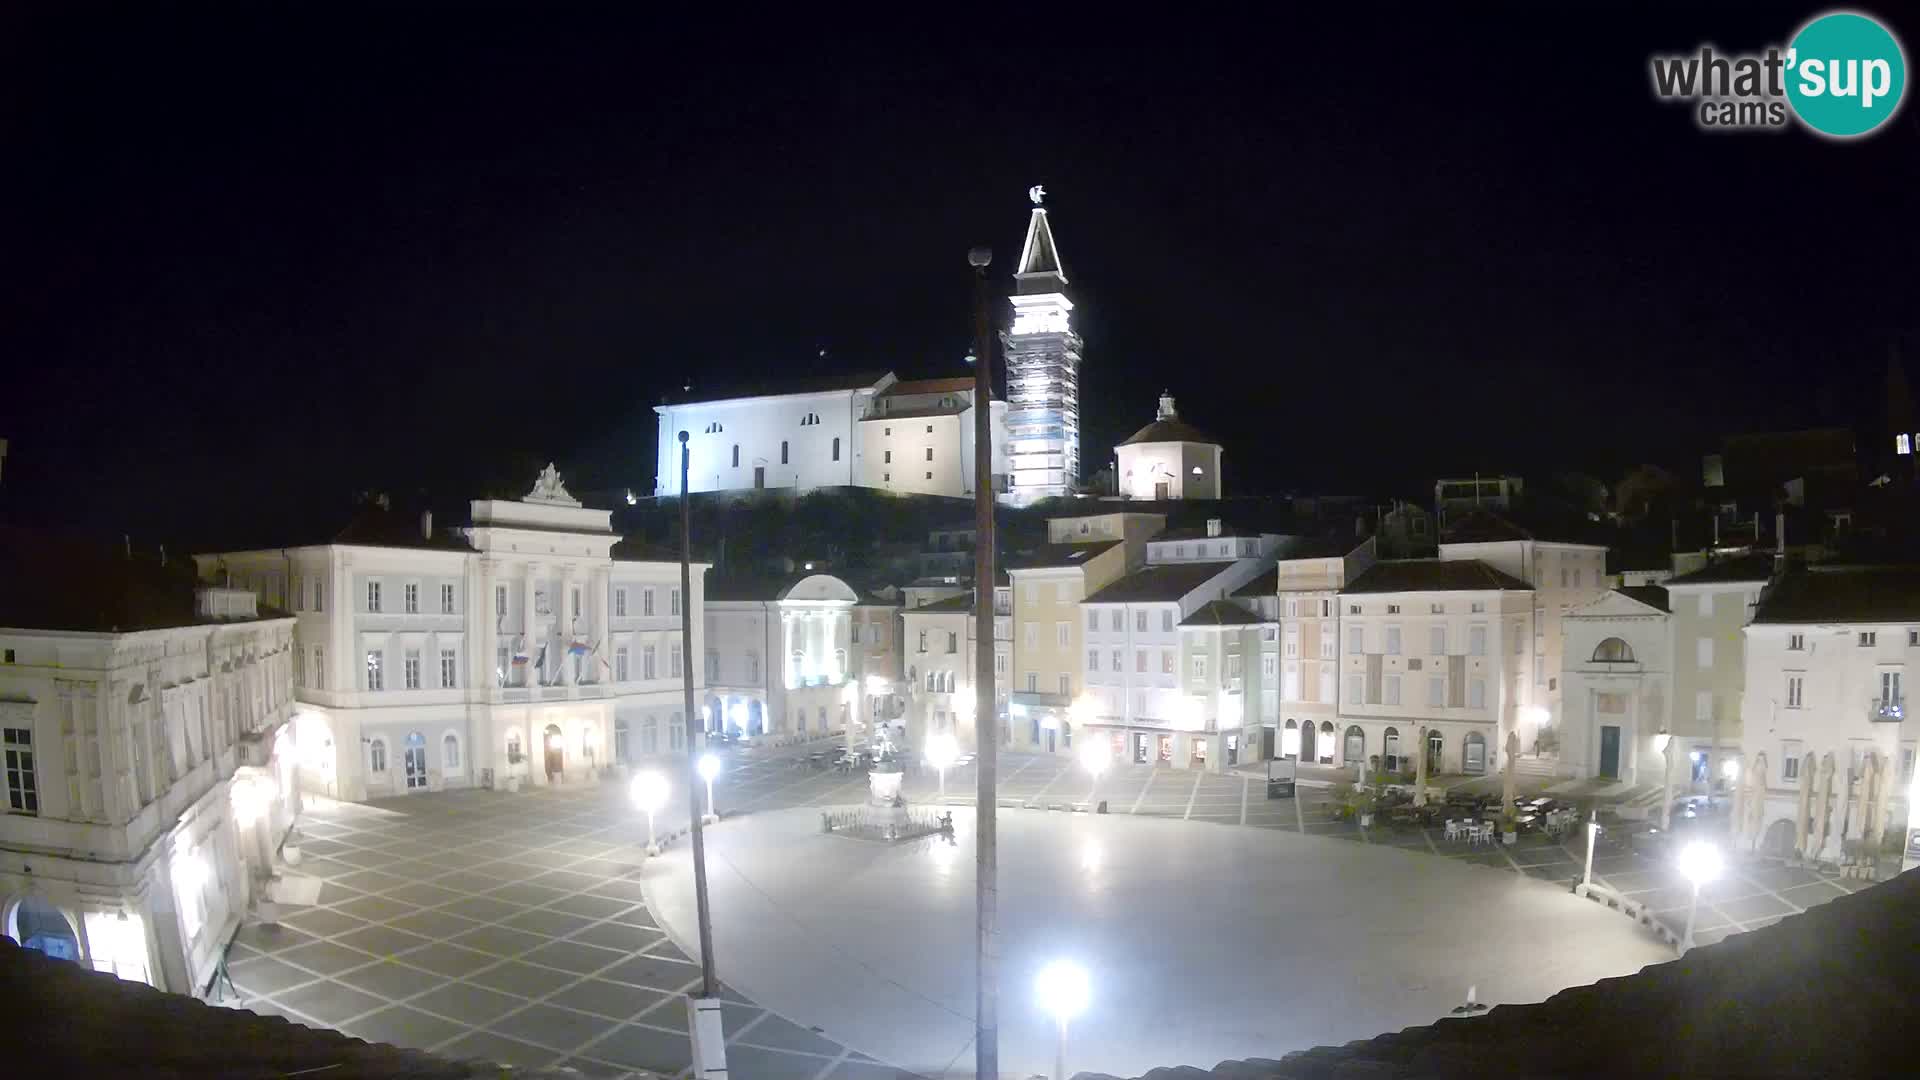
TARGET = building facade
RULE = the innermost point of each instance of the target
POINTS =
(1047, 588)
(1828, 743)
(1617, 683)
(783, 658)
(522, 648)
(1300, 659)
(918, 437)
(1442, 647)
(1711, 608)
(150, 781)
(1043, 371)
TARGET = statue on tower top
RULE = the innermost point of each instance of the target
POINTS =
(1037, 192)
(547, 488)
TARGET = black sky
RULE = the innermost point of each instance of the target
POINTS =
(260, 260)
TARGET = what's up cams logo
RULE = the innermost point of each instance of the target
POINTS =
(1842, 76)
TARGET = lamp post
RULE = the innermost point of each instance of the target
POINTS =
(1062, 990)
(710, 768)
(1663, 742)
(649, 793)
(1700, 862)
(942, 751)
(986, 888)
(1095, 754)
(1593, 831)
(704, 1019)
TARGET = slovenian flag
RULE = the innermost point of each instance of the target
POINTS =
(520, 654)
(578, 648)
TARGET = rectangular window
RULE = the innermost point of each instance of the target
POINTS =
(1093, 620)
(373, 596)
(1478, 607)
(1477, 694)
(1703, 706)
(1356, 641)
(1790, 757)
(1703, 650)
(1356, 689)
(1353, 609)
(1140, 622)
(929, 453)
(619, 603)
(1166, 620)
(1795, 686)
(999, 663)
(1869, 638)
(23, 782)
(1266, 665)
(1066, 686)
(376, 673)
(446, 599)
(500, 601)
(1539, 670)
(1393, 641)
(574, 599)
(1063, 592)
(1293, 642)
(713, 665)
(1436, 641)
(1436, 609)
(1913, 637)
(446, 669)
(646, 603)
(1119, 620)
(1093, 659)
(649, 662)
(1328, 641)
(1290, 685)
(1326, 609)
(319, 667)
(1029, 633)
(1166, 661)
(1796, 642)
(1477, 641)
(412, 598)
(673, 601)
(1436, 692)
(411, 670)
(674, 661)
(1890, 687)
(1390, 688)
(621, 662)
(1062, 634)
(1293, 609)
(1199, 667)
(1117, 663)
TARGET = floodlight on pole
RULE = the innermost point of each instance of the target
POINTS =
(942, 751)
(1062, 990)
(649, 793)
(1701, 863)
(1663, 742)
(1096, 754)
(709, 767)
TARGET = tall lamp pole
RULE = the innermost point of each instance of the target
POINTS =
(703, 1012)
(986, 993)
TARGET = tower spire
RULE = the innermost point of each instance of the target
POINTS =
(1039, 269)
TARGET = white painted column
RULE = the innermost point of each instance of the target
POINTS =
(599, 606)
(527, 625)
(785, 659)
(564, 623)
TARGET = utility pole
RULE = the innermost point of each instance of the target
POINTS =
(986, 993)
(703, 1012)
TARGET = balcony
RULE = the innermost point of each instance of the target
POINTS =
(1887, 710)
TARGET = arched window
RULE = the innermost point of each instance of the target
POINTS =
(783, 451)
(1390, 747)
(450, 751)
(1434, 745)
(1326, 742)
(620, 748)
(38, 925)
(377, 756)
(715, 428)
(1356, 748)
(1473, 753)
(736, 455)
(514, 753)
(836, 448)
(1613, 651)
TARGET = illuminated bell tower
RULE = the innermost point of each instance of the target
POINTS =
(1043, 370)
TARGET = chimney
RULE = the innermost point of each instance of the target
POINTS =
(426, 524)
(1213, 526)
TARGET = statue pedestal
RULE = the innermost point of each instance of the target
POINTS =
(884, 787)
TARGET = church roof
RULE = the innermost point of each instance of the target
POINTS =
(702, 391)
(1174, 430)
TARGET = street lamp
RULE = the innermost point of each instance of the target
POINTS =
(1700, 862)
(1593, 831)
(1095, 755)
(1062, 990)
(649, 792)
(942, 751)
(1663, 742)
(709, 768)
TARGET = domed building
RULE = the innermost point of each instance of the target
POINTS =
(1169, 459)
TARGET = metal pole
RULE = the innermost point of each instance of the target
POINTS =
(1666, 788)
(1686, 940)
(1593, 830)
(709, 986)
(986, 993)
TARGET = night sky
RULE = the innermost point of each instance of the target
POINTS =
(259, 262)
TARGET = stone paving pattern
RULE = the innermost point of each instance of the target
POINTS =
(512, 928)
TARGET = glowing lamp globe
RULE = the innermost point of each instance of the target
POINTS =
(709, 767)
(1095, 755)
(649, 792)
(1700, 862)
(1062, 989)
(942, 751)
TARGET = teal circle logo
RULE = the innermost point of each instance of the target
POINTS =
(1845, 74)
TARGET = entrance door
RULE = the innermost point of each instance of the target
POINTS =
(416, 761)
(556, 752)
(1141, 748)
(1050, 737)
(1610, 751)
(759, 476)
(1233, 750)
(1266, 743)
(1306, 742)
(1163, 490)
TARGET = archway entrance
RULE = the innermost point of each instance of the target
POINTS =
(556, 751)
(38, 925)
(416, 761)
(1307, 733)
(1326, 742)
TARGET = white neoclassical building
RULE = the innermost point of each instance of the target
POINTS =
(1617, 687)
(1169, 459)
(148, 769)
(782, 658)
(1828, 738)
(528, 647)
